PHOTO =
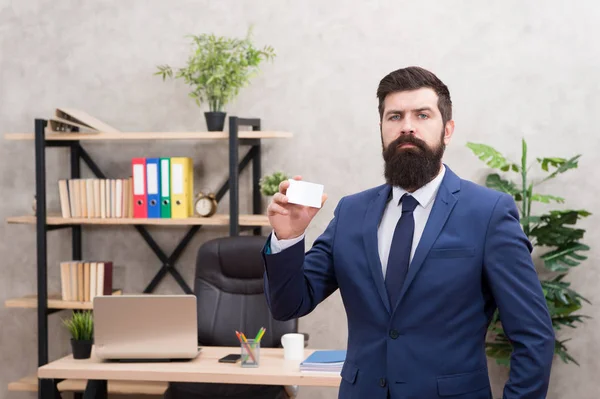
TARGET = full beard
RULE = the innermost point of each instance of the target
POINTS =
(412, 167)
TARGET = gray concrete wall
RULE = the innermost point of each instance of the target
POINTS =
(515, 69)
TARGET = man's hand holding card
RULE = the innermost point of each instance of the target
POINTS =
(294, 206)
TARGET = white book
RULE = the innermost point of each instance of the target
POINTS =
(93, 280)
(119, 198)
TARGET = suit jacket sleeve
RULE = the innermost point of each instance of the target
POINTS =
(517, 291)
(295, 282)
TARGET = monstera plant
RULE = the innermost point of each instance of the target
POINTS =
(554, 233)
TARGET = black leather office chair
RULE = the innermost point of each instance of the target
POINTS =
(229, 289)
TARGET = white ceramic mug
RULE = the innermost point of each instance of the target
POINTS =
(293, 346)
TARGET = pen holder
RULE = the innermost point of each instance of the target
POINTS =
(250, 353)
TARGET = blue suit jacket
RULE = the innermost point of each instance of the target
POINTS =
(473, 257)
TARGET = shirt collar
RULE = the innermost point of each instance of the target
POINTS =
(423, 195)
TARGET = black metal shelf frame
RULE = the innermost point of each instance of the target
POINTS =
(46, 387)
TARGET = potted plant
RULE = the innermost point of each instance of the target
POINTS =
(81, 327)
(554, 233)
(216, 70)
(269, 185)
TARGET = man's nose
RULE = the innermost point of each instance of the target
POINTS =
(407, 126)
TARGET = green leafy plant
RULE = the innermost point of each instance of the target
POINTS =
(269, 184)
(81, 325)
(554, 232)
(218, 68)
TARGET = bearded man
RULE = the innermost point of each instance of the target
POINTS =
(422, 262)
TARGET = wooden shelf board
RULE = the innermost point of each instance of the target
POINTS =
(118, 387)
(136, 136)
(54, 302)
(215, 220)
(30, 384)
(25, 384)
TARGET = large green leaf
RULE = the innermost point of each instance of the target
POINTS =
(551, 230)
(561, 350)
(558, 311)
(547, 198)
(497, 183)
(567, 321)
(565, 257)
(555, 235)
(561, 165)
(492, 157)
(567, 216)
(553, 161)
(558, 294)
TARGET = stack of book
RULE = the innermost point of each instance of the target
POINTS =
(84, 280)
(95, 198)
(324, 361)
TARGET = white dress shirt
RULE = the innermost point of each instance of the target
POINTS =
(425, 197)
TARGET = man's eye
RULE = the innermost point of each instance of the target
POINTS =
(394, 117)
(423, 116)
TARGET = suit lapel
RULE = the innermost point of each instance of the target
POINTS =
(442, 207)
(370, 226)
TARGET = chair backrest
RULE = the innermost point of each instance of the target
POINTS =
(230, 293)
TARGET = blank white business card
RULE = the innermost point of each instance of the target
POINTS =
(305, 193)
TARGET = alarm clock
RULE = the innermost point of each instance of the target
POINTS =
(205, 204)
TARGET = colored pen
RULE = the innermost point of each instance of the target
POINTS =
(258, 334)
(262, 333)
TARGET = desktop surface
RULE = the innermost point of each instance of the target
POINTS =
(273, 369)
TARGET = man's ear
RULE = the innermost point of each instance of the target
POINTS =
(448, 131)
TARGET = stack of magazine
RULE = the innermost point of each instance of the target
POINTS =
(327, 361)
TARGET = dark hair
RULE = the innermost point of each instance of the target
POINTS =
(412, 78)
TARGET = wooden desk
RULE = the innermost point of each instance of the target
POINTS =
(273, 370)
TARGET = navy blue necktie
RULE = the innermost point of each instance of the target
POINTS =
(397, 266)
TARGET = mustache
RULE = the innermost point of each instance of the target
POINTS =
(408, 139)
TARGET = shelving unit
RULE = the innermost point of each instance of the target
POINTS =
(47, 304)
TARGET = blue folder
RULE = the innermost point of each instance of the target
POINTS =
(153, 187)
(326, 356)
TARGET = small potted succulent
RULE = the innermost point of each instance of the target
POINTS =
(81, 327)
(269, 185)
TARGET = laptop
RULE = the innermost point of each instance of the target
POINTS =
(145, 327)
